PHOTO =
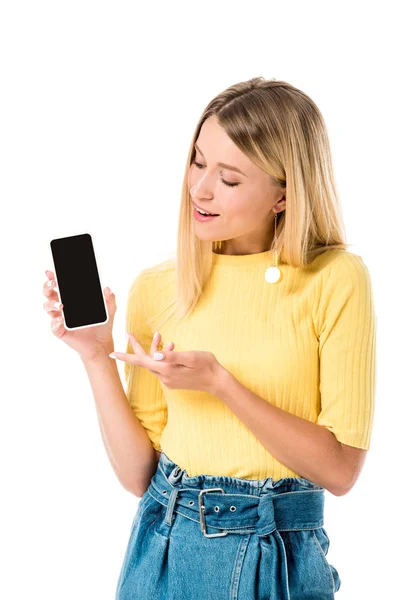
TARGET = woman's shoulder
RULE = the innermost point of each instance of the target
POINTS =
(337, 261)
(343, 274)
(155, 278)
(165, 267)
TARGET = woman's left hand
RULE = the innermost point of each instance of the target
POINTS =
(192, 370)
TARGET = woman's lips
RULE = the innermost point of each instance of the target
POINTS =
(202, 218)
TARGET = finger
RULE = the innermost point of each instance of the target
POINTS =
(57, 326)
(155, 343)
(136, 347)
(50, 285)
(177, 358)
(52, 305)
(132, 359)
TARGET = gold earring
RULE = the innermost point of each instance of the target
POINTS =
(218, 245)
(273, 273)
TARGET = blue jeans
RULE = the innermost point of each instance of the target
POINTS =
(213, 537)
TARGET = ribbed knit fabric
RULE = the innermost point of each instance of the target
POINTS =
(306, 344)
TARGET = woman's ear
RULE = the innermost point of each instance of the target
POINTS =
(282, 203)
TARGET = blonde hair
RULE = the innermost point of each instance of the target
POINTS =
(282, 131)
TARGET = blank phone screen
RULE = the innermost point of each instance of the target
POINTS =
(78, 281)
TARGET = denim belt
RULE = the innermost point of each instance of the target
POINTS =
(239, 513)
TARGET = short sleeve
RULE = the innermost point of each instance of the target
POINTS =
(347, 351)
(144, 391)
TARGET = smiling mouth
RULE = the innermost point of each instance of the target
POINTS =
(204, 213)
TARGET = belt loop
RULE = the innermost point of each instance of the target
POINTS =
(171, 504)
(174, 478)
(175, 475)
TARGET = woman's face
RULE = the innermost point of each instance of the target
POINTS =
(243, 201)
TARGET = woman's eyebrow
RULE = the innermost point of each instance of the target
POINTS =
(224, 165)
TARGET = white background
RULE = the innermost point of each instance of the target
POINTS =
(99, 101)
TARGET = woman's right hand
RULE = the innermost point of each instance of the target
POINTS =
(88, 342)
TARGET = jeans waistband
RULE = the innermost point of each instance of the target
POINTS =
(223, 505)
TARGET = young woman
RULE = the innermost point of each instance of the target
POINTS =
(264, 397)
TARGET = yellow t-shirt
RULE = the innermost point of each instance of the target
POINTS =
(306, 344)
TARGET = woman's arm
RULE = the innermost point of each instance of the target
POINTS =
(128, 446)
(307, 448)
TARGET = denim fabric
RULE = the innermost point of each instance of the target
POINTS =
(273, 545)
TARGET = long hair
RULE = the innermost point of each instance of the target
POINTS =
(283, 132)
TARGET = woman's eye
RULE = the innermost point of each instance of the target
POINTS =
(229, 184)
(200, 166)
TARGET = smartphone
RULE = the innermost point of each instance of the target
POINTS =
(78, 281)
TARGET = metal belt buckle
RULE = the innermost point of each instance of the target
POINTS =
(202, 509)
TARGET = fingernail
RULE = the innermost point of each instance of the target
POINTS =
(112, 355)
(155, 335)
(158, 356)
